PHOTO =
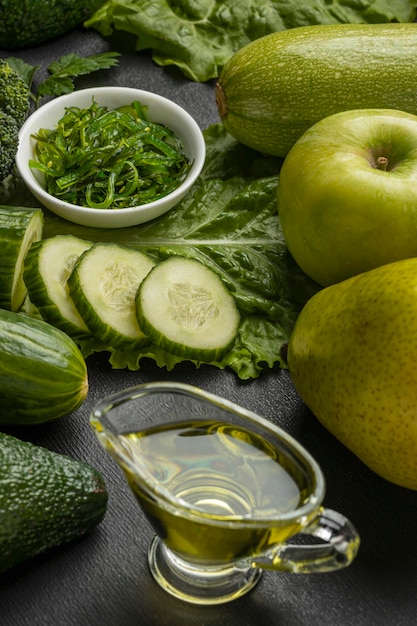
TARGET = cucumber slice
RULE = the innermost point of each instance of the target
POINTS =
(47, 267)
(103, 286)
(186, 309)
(19, 227)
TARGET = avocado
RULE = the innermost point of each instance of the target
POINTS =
(46, 499)
(25, 24)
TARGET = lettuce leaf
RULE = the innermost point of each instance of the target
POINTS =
(200, 36)
(230, 222)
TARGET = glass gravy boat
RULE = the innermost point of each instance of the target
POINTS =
(224, 489)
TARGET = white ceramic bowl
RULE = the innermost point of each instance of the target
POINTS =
(160, 110)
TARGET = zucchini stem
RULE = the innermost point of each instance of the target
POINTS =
(221, 101)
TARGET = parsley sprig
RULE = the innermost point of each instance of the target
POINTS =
(62, 73)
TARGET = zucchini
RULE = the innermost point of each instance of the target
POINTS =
(273, 89)
(103, 286)
(47, 266)
(43, 375)
(186, 309)
(46, 499)
(19, 227)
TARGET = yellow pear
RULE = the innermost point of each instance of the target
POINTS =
(352, 357)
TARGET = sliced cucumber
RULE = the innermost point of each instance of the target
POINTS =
(186, 309)
(19, 227)
(47, 267)
(103, 286)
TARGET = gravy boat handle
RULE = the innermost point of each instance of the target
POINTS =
(335, 546)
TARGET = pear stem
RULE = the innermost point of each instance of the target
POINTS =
(382, 163)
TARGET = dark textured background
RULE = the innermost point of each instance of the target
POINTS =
(103, 580)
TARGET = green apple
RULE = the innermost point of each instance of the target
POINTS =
(347, 193)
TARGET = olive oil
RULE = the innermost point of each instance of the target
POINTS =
(214, 492)
(224, 489)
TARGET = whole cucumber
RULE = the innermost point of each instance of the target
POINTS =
(43, 375)
(276, 87)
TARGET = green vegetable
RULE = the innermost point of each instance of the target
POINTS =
(19, 227)
(25, 24)
(61, 73)
(43, 375)
(14, 106)
(14, 92)
(271, 91)
(199, 37)
(47, 266)
(103, 285)
(109, 159)
(46, 500)
(9, 139)
(184, 307)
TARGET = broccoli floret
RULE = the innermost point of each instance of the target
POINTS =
(14, 93)
(14, 107)
(9, 138)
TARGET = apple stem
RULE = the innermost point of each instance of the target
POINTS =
(382, 163)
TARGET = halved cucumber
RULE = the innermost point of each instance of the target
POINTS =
(19, 227)
(103, 286)
(186, 309)
(47, 266)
